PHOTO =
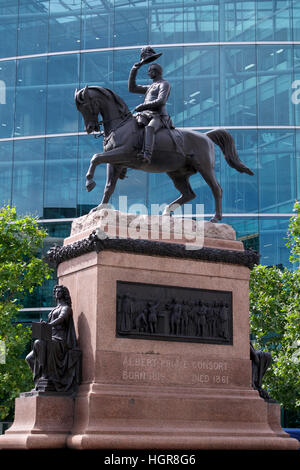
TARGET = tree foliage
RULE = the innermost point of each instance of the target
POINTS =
(21, 270)
(275, 321)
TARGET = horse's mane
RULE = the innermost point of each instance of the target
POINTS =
(122, 106)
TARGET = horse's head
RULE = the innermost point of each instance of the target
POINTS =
(90, 101)
(86, 106)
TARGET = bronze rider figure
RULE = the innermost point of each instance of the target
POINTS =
(152, 114)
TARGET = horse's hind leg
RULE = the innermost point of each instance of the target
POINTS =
(181, 182)
(211, 180)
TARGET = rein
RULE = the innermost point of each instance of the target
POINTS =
(102, 133)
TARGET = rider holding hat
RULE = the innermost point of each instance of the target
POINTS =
(152, 113)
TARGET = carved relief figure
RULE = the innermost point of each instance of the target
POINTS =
(175, 320)
(126, 324)
(152, 316)
(192, 317)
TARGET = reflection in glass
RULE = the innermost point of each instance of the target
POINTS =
(33, 27)
(273, 20)
(97, 24)
(201, 86)
(64, 25)
(88, 146)
(6, 150)
(28, 176)
(31, 96)
(61, 111)
(298, 163)
(8, 28)
(274, 87)
(166, 20)
(277, 182)
(238, 85)
(240, 191)
(201, 21)
(60, 196)
(7, 97)
(96, 69)
(131, 23)
(273, 238)
(239, 20)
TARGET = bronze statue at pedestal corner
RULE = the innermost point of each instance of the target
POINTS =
(260, 363)
(157, 147)
(56, 359)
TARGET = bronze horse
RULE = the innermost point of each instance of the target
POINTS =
(178, 152)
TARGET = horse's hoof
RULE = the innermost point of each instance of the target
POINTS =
(214, 220)
(90, 185)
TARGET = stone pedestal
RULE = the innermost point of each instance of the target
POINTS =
(42, 421)
(154, 392)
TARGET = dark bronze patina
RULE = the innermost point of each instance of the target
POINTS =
(168, 313)
(56, 359)
(260, 363)
(156, 148)
(58, 254)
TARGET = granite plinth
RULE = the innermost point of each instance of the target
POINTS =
(160, 394)
(41, 422)
(155, 227)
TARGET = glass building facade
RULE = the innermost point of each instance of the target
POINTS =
(234, 64)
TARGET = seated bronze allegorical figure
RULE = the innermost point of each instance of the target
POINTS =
(56, 363)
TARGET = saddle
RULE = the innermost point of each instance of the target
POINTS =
(175, 134)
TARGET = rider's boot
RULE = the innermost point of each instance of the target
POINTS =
(148, 145)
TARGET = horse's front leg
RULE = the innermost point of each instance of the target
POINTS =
(117, 155)
(112, 175)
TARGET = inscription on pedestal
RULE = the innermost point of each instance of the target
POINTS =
(206, 372)
(169, 313)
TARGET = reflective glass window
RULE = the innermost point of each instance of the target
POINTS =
(201, 21)
(60, 197)
(123, 60)
(240, 190)
(172, 64)
(33, 27)
(65, 25)
(239, 20)
(7, 97)
(295, 86)
(247, 230)
(96, 69)
(63, 79)
(8, 28)
(88, 146)
(273, 250)
(296, 19)
(31, 96)
(161, 190)
(275, 77)
(238, 85)
(298, 163)
(97, 24)
(28, 176)
(131, 23)
(6, 150)
(166, 21)
(201, 83)
(273, 20)
(277, 181)
(134, 188)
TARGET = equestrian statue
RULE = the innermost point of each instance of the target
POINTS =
(148, 140)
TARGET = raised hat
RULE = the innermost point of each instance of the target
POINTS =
(148, 55)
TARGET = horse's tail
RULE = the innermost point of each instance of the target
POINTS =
(224, 140)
